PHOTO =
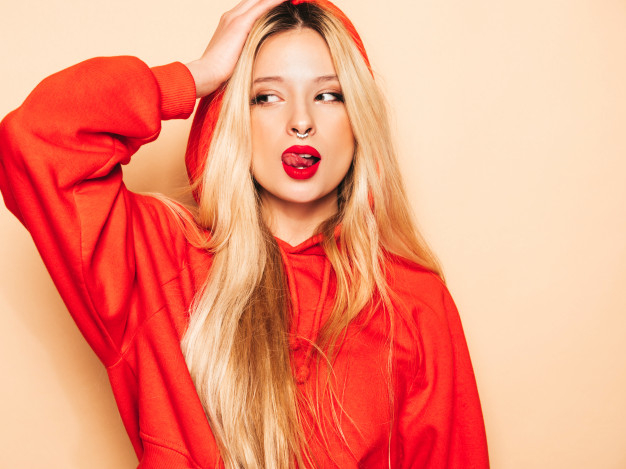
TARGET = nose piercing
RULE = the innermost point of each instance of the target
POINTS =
(304, 135)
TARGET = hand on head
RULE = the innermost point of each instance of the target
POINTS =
(220, 57)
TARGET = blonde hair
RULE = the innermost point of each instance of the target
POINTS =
(236, 345)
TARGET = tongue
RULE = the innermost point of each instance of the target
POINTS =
(295, 160)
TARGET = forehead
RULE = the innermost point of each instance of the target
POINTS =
(296, 54)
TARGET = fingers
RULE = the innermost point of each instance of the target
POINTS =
(247, 5)
(252, 9)
(257, 8)
(261, 7)
(220, 57)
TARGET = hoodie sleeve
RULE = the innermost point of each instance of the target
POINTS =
(60, 175)
(441, 423)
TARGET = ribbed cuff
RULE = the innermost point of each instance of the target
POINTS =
(178, 90)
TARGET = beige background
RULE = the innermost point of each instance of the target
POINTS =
(511, 120)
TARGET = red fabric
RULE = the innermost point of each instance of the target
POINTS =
(208, 110)
(127, 275)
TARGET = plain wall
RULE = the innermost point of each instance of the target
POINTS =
(511, 125)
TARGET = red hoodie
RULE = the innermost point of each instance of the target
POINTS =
(127, 275)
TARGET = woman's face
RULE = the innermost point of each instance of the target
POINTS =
(302, 141)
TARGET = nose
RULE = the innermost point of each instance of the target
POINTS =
(301, 123)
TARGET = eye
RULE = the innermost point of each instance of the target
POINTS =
(264, 98)
(330, 97)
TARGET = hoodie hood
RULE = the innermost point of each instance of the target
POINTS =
(205, 119)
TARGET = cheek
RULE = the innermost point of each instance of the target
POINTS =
(266, 151)
(344, 136)
(261, 136)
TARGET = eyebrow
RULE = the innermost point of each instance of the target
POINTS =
(320, 79)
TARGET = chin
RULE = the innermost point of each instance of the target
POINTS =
(303, 198)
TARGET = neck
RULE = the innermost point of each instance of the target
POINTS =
(296, 222)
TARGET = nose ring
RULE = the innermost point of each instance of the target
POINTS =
(304, 135)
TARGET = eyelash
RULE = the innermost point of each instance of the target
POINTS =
(337, 96)
(261, 99)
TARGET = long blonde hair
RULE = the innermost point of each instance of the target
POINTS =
(236, 345)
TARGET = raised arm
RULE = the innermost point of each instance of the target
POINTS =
(60, 173)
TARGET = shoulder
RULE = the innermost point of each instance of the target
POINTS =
(427, 319)
(415, 286)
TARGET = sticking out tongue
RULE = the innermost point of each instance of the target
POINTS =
(299, 161)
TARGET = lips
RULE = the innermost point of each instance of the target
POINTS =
(301, 156)
(300, 161)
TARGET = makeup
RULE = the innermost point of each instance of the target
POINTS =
(301, 161)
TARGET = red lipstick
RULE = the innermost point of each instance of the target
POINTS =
(301, 161)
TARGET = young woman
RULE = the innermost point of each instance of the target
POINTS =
(296, 318)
